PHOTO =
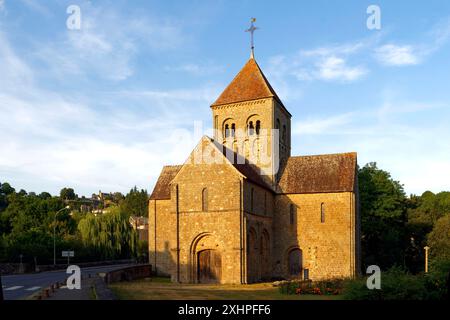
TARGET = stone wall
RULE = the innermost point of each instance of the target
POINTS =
(328, 248)
(215, 228)
(162, 239)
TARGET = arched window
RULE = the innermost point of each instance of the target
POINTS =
(251, 241)
(252, 198)
(258, 127)
(205, 199)
(227, 131)
(322, 212)
(291, 214)
(251, 128)
(233, 129)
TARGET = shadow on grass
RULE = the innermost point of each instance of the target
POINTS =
(163, 289)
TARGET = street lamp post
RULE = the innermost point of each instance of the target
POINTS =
(426, 258)
(54, 233)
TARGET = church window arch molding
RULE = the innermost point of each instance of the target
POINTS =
(253, 125)
(229, 128)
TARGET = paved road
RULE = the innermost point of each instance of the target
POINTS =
(21, 286)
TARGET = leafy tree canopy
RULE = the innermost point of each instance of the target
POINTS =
(135, 203)
(68, 194)
(383, 217)
(439, 238)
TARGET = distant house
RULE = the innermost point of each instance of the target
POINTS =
(140, 224)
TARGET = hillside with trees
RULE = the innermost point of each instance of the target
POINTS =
(28, 220)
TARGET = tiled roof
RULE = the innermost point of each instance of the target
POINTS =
(249, 84)
(162, 189)
(305, 174)
(319, 174)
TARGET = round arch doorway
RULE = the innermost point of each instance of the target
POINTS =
(209, 266)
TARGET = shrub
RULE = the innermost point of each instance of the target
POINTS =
(437, 279)
(397, 284)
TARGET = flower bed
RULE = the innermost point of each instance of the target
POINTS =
(323, 287)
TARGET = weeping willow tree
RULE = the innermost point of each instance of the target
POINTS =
(110, 234)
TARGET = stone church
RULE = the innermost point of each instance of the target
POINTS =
(241, 209)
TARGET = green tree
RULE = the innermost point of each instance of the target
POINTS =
(383, 217)
(439, 239)
(6, 188)
(67, 194)
(110, 233)
(27, 224)
(45, 195)
(135, 203)
(118, 197)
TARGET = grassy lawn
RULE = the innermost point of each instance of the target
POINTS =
(163, 289)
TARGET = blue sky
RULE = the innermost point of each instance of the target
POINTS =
(106, 106)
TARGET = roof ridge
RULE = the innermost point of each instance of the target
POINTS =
(326, 154)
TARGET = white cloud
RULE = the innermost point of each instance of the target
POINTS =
(326, 63)
(2, 5)
(387, 134)
(342, 49)
(15, 72)
(198, 69)
(395, 55)
(413, 54)
(325, 126)
(51, 140)
(107, 43)
(334, 68)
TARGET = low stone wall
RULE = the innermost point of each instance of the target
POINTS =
(85, 264)
(129, 273)
(14, 268)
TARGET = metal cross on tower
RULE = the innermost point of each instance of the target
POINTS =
(252, 30)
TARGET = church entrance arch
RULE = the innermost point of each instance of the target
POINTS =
(209, 266)
(205, 259)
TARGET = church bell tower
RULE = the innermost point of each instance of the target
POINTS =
(250, 119)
